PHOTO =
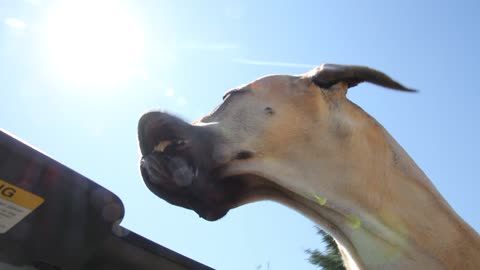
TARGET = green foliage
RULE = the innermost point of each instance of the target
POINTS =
(330, 259)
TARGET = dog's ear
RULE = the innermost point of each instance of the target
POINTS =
(328, 75)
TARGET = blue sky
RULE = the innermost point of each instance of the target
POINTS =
(75, 78)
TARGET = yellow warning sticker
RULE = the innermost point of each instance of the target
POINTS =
(15, 205)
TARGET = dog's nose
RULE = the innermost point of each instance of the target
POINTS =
(158, 127)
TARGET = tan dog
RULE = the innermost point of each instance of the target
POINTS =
(299, 140)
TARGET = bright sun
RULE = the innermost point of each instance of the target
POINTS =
(94, 43)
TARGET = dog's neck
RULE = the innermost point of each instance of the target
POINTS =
(404, 222)
(377, 203)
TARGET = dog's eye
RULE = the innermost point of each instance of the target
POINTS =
(228, 94)
(269, 110)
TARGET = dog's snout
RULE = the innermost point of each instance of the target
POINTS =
(181, 165)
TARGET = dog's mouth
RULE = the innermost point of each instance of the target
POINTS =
(176, 165)
(170, 160)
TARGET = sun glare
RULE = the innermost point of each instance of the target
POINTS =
(94, 43)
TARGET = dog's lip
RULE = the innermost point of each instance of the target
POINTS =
(189, 197)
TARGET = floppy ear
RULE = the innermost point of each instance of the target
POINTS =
(327, 75)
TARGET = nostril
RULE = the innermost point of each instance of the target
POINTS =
(244, 155)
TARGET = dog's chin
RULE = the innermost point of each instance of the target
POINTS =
(212, 215)
(178, 181)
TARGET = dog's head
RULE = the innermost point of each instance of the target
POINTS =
(247, 147)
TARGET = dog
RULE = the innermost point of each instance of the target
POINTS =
(298, 140)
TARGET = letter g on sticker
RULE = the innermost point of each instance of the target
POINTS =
(7, 191)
